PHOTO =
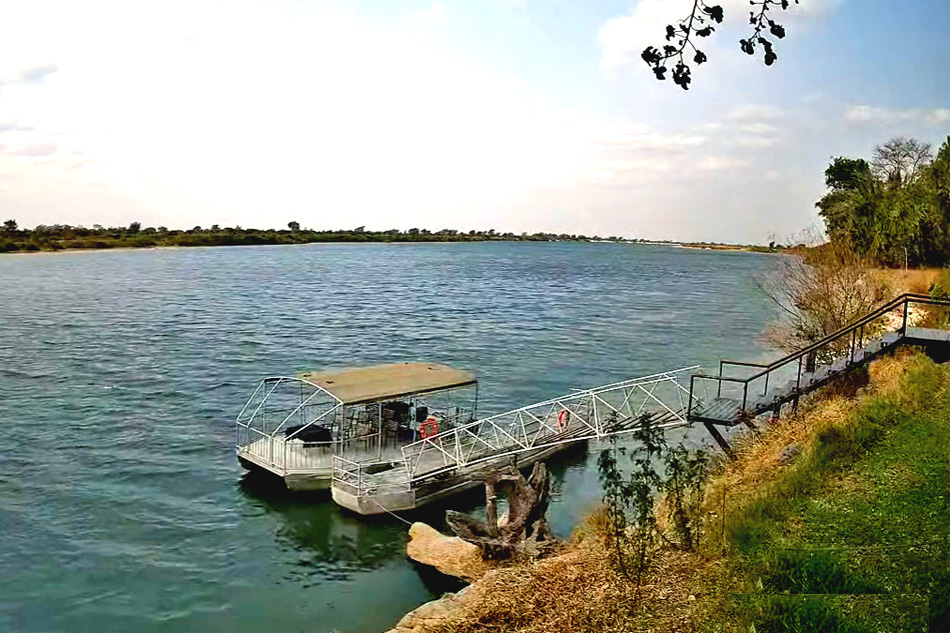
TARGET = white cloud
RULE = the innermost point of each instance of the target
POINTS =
(35, 149)
(754, 112)
(758, 128)
(14, 127)
(868, 114)
(721, 163)
(33, 75)
(432, 13)
(759, 142)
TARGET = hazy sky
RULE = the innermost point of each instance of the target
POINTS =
(507, 114)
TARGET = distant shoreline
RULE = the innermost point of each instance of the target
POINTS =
(106, 249)
(61, 237)
(732, 247)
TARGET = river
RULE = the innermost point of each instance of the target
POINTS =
(122, 506)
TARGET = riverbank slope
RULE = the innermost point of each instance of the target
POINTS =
(833, 519)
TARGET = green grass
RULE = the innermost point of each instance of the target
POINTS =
(867, 511)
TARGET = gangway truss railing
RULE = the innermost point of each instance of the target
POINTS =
(581, 415)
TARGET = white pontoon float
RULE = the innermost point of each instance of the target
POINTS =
(396, 437)
(293, 426)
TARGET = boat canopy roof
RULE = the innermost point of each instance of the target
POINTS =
(382, 382)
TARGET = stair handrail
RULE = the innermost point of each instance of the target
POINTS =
(904, 299)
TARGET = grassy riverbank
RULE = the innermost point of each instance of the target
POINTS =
(833, 519)
(853, 536)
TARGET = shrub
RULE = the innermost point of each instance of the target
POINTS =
(630, 502)
(685, 478)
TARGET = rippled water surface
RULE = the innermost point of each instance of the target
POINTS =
(122, 506)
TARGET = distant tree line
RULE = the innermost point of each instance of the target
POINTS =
(62, 236)
(895, 207)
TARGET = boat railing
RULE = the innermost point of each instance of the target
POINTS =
(582, 414)
(361, 478)
(278, 400)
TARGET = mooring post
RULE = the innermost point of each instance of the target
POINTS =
(798, 381)
(904, 324)
(720, 440)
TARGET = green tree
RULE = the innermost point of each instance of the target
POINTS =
(891, 208)
(293, 226)
(846, 174)
(10, 227)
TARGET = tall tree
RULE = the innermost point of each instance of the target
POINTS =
(892, 208)
(899, 160)
(10, 227)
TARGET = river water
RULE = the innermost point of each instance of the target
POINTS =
(122, 506)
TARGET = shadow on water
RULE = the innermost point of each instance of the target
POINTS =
(332, 543)
(323, 543)
(327, 542)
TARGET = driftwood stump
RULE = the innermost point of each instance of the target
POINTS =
(525, 530)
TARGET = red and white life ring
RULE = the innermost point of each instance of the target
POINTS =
(563, 418)
(429, 427)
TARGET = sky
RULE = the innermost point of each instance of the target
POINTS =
(516, 115)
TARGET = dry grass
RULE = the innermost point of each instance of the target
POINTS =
(916, 280)
(579, 591)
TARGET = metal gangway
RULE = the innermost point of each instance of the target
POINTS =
(452, 460)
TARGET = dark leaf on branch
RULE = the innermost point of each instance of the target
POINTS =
(700, 23)
(650, 55)
(715, 12)
(681, 75)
